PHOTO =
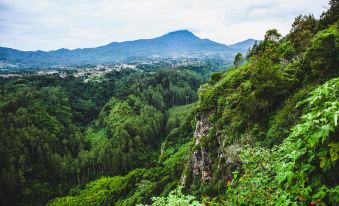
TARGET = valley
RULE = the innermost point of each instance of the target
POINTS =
(175, 120)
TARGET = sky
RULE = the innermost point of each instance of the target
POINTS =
(53, 24)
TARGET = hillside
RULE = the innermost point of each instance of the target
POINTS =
(263, 132)
(178, 44)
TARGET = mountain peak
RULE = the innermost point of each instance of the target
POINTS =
(181, 34)
(183, 31)
(250, 40)
(246, 44)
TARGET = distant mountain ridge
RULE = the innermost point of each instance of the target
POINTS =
(177, 44)
(247, 44)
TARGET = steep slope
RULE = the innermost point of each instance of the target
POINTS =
(265, 135)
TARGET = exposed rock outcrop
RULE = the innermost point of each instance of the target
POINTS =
(201, 161)
(226, 157)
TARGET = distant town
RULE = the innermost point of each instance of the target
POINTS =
(97, 71)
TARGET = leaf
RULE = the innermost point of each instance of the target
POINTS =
(334, 149)
(322, 162)
(334, 195)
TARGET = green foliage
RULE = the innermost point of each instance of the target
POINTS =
(104, 191)
(330, 16)
(300, 170)
(281, 146)
(140, 184)
(238, 59)
(161, 89)
(303, 30)
(246, 96)
(177, 116)
(36, 127)
(52, 137)
(134, 128)
(178, 157)
(322, 56)
(215, 77)
(176, 198)
(285, 117)
(272, 35)
(243, 100)
(255, 104)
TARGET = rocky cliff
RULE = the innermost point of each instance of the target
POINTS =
(212, 164)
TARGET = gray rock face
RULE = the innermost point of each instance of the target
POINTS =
(201, 129)
(227, 159)
(201, 161)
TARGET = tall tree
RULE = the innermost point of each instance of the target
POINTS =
(238, 59)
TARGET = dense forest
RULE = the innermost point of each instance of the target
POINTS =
(58, 133)
(263, 132)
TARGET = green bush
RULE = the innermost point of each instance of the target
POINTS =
(301, 170)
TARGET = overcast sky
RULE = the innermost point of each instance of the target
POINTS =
(53, 24)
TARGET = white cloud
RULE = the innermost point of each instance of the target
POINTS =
(53, 24)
